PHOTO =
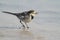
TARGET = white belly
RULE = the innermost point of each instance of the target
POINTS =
(27, 19)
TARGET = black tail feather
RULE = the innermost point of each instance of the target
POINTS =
(9, 13)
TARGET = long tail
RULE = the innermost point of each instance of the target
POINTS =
(9, 13)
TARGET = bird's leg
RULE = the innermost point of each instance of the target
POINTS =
(22, 24)
(27, 26)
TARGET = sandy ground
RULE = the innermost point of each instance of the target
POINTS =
(17, 34)
(30, 34)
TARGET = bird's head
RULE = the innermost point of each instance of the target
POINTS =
(32, 12)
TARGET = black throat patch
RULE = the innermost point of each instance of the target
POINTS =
(32, 17)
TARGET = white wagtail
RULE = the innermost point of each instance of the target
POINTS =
(25, 16)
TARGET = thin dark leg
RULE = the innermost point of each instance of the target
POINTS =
(22, 24)
(27, 25)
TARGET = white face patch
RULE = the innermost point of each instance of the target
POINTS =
(34, 13)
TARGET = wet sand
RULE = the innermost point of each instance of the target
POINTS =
(31, 34)
(17, 34)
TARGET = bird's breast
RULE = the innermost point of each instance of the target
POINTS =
(27, 18)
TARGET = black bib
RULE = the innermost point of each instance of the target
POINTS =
(32, 17)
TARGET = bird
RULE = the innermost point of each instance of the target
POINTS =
(24, 17)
